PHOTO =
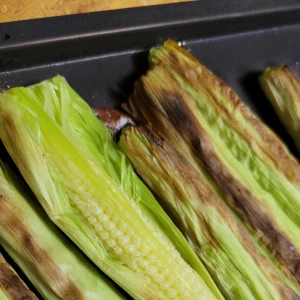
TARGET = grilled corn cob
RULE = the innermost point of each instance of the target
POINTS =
(248, 163)
(89, 189)
(282, 88)
(12, 286)
(220, 240)
(53, 265)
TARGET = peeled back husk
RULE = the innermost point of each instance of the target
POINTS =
(88, 188)
(52, 263)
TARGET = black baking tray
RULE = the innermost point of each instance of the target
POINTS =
(102, 54)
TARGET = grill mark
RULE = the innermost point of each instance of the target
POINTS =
(242, 201)
(12, 285)
(38, 259)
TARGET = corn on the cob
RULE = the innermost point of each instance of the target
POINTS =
(53, 265)
(252, 168)
(89, 189)
(282, 87)
(12, 286)
(220, 240)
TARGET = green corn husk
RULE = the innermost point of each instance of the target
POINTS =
(12, 286)
(220, 240)
(282, 88)
(54, 266)
(244, 161)
(88, 188)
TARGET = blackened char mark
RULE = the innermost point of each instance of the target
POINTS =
(11, 283)
(149, 131)
(178, 113)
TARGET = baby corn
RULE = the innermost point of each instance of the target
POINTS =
(54, 266)
(89, 189)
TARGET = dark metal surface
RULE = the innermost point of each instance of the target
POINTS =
(101, 54)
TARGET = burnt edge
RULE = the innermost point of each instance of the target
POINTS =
(12, 284)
